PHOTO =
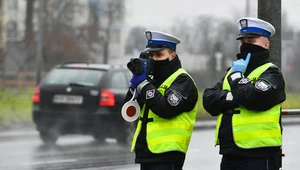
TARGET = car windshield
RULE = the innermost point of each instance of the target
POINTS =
(79, 77)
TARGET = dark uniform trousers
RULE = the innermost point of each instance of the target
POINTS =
(161, 166)
(247, 163)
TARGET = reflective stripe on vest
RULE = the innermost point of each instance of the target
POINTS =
(254, 129)
(165, 135)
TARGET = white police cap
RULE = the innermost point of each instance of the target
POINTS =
(159, 40)
(254, 27)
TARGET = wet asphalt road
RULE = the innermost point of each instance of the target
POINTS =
(71, 152)
(24, 151)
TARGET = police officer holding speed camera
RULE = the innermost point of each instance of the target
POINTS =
(167, 96)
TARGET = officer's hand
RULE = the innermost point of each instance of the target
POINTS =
(136, 79)
(241, 65)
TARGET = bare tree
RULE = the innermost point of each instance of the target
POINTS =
(226, 36)
(103, 28)
(204, 37)
(135, 40)
(61, 43)
(29, 37)
(59, 40)
(67, 40)
(88, 34)
(198, 37)
(183, 30)
(114, 13)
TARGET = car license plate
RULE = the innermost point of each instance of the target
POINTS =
(67, 99)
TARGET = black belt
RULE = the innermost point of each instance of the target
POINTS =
(146, 120)
(231, 112)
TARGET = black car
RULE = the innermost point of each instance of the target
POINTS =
(81, 98)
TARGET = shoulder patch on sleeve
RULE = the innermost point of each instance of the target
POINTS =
(262, 85)
(244, 81)
(174, 98)
(150, 94)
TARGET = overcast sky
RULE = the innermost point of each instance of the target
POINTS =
(159, 14)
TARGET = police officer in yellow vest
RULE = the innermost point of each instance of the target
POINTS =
(168, 102)
(248, 102)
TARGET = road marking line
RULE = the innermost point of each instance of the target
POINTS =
(51, 162)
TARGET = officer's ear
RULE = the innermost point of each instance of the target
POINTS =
(267, 44)
(172, 53)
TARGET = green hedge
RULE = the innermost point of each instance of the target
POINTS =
(15, 107)
(292, 101)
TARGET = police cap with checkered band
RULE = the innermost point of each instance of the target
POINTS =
(159, 40)
(254, 27)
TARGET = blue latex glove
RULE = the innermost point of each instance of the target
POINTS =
(136, 79)
(241, 64)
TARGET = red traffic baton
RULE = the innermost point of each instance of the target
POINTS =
(290, 112)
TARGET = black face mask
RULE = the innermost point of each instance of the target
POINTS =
(251, 48)
(159, 65)
(258, 55)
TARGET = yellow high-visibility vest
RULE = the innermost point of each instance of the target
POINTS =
(254, 129)
(165, 135)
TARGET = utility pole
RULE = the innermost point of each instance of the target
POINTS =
(3, 24)
(2, 39)
(247, 8)
(40, 44)
(270, 11)
(2, 29)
